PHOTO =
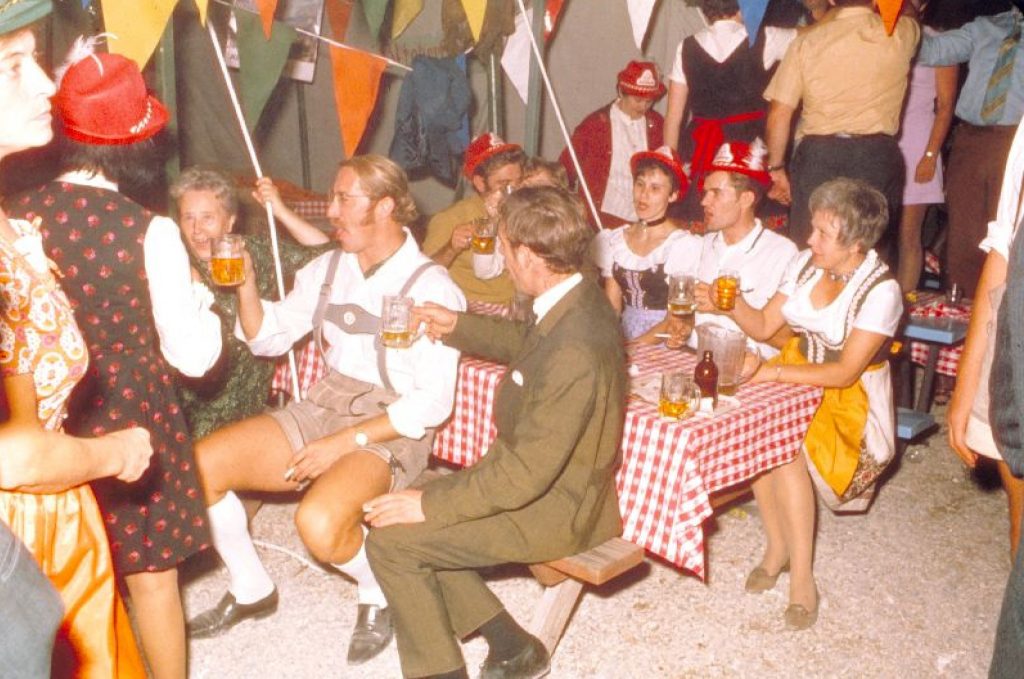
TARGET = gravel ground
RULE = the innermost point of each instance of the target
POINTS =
(911, 589)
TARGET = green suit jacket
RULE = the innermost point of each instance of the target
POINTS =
(548, 480)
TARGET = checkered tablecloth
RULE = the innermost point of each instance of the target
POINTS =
(311, 365)
(934, 305)
(669, 469)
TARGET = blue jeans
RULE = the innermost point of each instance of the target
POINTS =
(31, 611)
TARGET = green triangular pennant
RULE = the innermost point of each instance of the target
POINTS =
(261, 62)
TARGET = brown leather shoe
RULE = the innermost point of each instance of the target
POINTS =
(530, 663)
(760, 581)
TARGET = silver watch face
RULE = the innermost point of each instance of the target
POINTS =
(361, 438)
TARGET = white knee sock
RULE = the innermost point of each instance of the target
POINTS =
(228, 527)
(358, 568)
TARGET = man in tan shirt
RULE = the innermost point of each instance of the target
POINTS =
(490, 165)
(850, 78)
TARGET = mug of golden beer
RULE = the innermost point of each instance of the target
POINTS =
(484, 231)
(681, 301)
(395, 322)
(226, 265)
(727, 286)
(680, 396)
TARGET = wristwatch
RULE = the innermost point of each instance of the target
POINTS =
(930, 154)
(773, 168)
(362, 440)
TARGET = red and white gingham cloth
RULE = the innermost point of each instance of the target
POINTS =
(311, 365)
(669, 469)
(934, 305)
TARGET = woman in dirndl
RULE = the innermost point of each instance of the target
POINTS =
(636, 259)
(843, 305)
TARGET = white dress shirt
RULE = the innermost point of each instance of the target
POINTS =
(762, 258)
(721, 39)
(629, 137)
(423, 375)
(546, 300)
(1010, 209)
(189, 330)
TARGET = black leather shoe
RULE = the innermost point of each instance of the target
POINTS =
(371, 635)
(229, 613)
(531, 662)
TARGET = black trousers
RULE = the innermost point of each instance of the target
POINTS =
(874, 158)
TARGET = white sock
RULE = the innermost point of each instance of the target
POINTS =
(229, 529)
(358, 568)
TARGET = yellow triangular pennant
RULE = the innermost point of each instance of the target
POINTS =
(475, 11)
(138, 25)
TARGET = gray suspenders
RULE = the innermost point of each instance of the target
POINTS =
(354, 319)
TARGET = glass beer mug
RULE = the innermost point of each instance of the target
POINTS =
(484, 231)
(727, 286)
(680, 395)
(227, 267)
(681, 301)
(396, 330)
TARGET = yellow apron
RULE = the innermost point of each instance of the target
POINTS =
(834, 439)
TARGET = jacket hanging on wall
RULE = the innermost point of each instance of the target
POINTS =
(431, 125)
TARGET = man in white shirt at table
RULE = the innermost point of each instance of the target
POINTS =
(363, 430)
(735, 239)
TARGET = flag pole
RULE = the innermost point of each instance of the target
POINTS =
(259, 173)
(561, 121)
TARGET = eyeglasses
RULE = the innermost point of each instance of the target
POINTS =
(343, 197)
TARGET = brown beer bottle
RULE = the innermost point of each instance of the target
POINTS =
(706, 377)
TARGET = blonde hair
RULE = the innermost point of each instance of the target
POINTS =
(380, 177)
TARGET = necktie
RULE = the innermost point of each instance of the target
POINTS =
(1002, 75)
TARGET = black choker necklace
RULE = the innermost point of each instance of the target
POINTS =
(645, 224)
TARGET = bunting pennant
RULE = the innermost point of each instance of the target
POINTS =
(639, 17)
(551, 14)
(405, 11)
(356, 83)
(475, 11)
(374, 11)
(890, 11)
(138, 25)
(203, 6)
(753, 14)
(516, 57)
(338, 13)
(267, 9)
(260, 63)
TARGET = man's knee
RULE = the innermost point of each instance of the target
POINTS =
(332, 534)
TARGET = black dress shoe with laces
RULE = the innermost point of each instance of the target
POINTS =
(229, 613)
(531, 662)
(371, 635)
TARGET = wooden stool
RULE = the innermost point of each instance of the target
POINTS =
(564, 579)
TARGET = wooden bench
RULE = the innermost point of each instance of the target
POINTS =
(563, 581)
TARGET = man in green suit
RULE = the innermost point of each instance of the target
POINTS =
(546, 488)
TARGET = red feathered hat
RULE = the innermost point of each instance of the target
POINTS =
(102, 100)
(667, 157)
(641, 79)
(748, 159)
(483, 147)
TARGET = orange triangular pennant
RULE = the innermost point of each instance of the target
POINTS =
(890, 11)
(356, 83)
(338, 13)
(267, 9)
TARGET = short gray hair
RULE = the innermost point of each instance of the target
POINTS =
(860, 209)
(197, 178)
